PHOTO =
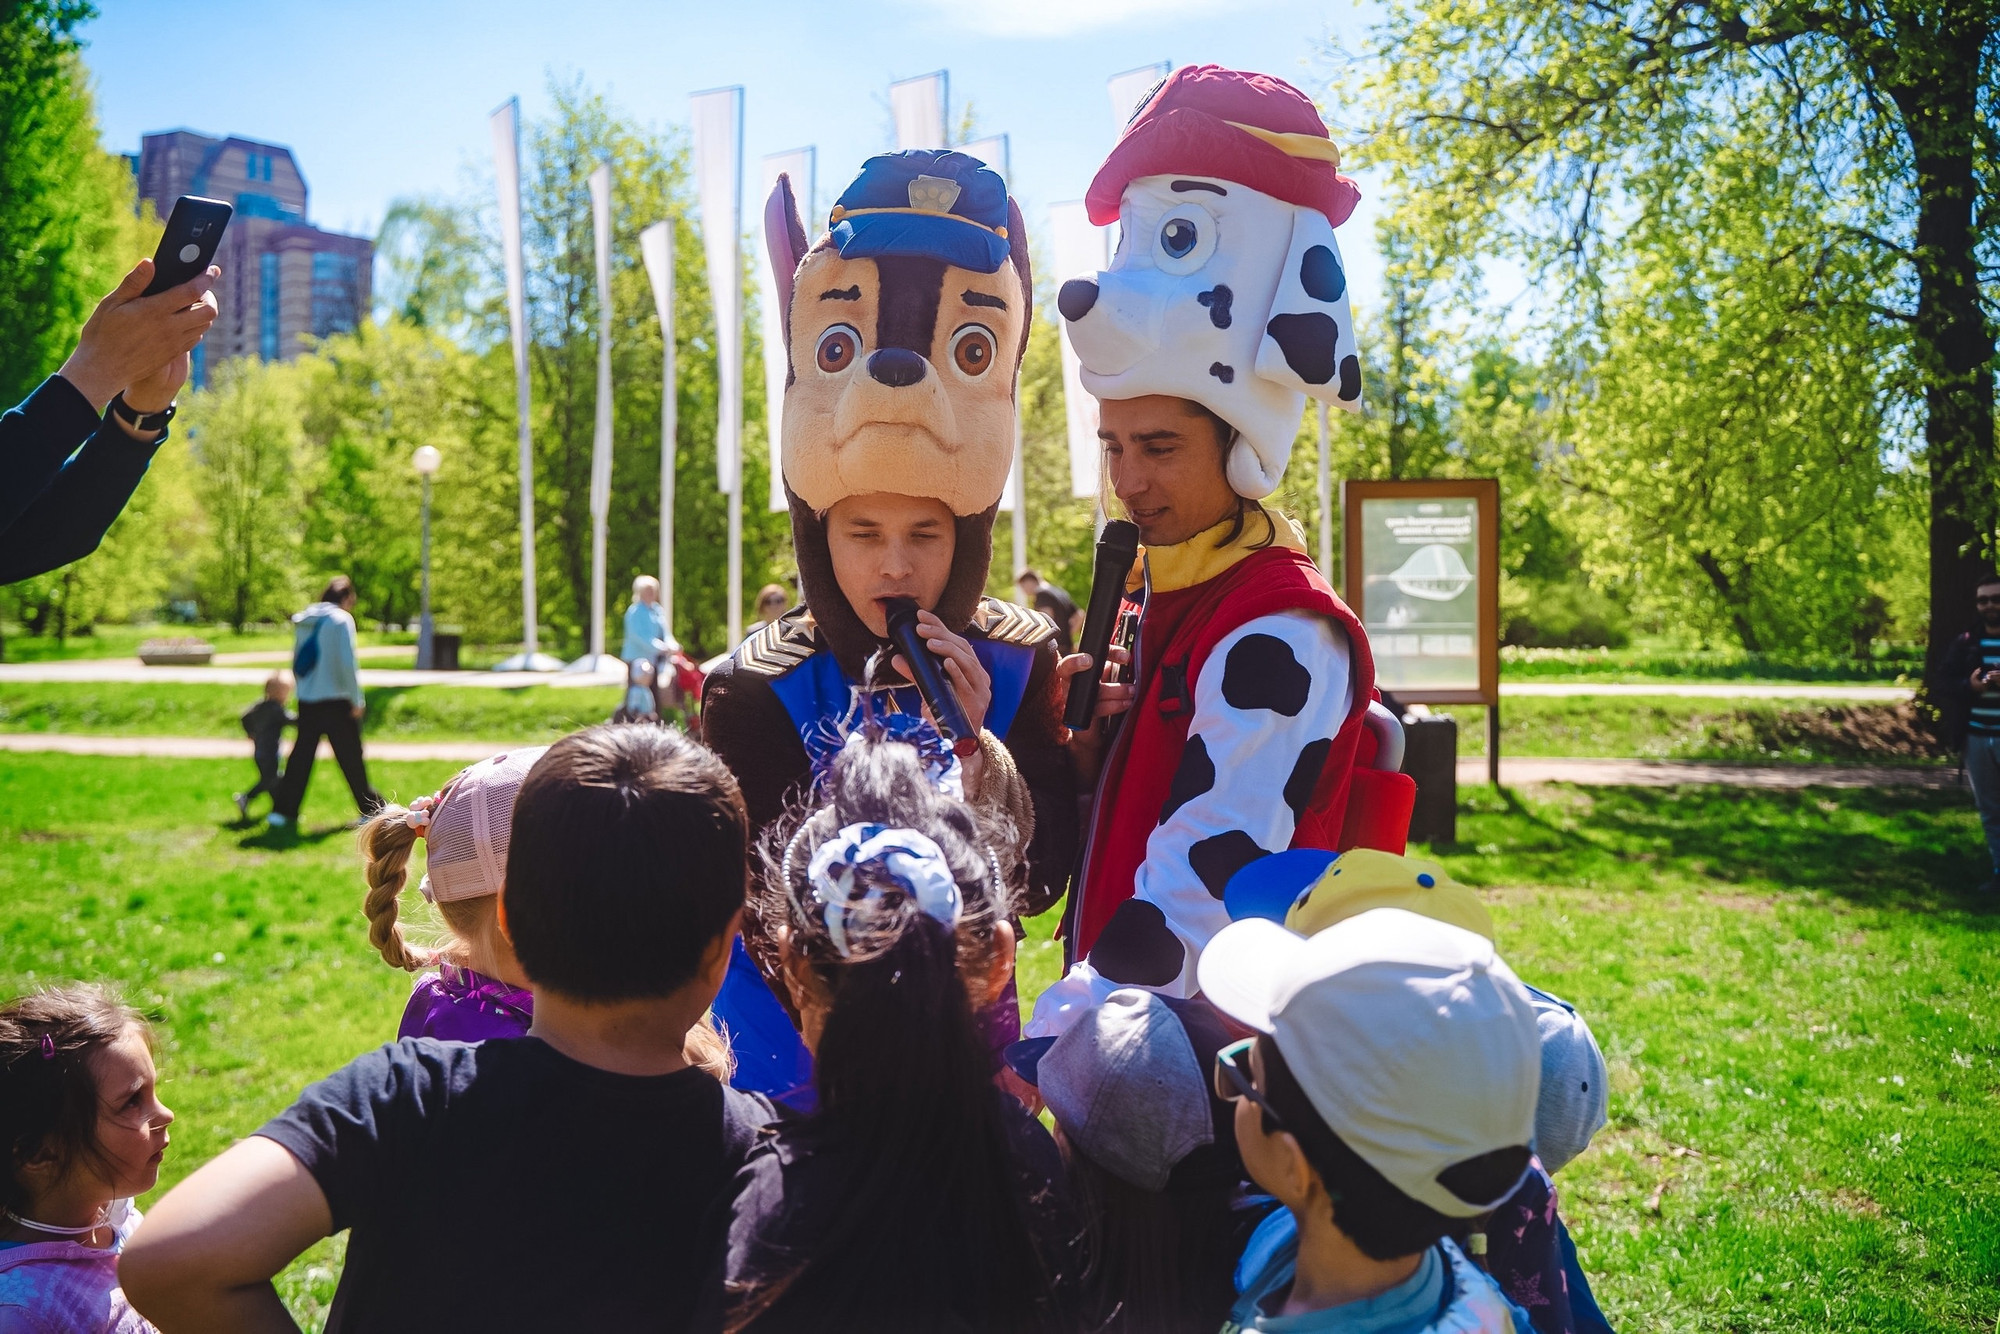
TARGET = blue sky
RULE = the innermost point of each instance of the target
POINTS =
(379, 99)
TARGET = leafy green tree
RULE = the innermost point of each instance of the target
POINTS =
(68, 230)
(429, 270)
(248, 450)
(1532, 130)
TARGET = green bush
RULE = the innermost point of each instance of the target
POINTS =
(1566, 615)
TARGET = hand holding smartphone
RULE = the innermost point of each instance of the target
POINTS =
(188, 245)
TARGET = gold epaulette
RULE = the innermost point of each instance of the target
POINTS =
(1011, 623)
(778, 647)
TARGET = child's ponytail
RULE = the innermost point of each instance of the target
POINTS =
(386, 841)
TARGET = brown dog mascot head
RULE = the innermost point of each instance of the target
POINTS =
(906, 323)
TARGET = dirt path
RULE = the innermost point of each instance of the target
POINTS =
(132, 670)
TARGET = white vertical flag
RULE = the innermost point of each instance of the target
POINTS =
(505, 124)
(919, 107)
(718, 175)
(1079, 250)
(1129, 89)
(799, 164)
(993, 151)
(600, 449)
(656, 247)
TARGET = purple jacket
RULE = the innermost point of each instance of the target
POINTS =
(458, 1005)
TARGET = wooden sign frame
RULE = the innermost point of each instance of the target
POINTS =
(1485, 491)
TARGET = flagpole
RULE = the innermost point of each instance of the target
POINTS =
(505, 125)
(656, 247)
(600, 453)
(718, 151)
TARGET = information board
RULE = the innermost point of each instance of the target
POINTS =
(1422, 571)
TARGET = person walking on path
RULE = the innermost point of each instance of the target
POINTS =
(330, 702)
(1969, 693)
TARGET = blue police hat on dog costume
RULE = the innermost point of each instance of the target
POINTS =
(932, 202)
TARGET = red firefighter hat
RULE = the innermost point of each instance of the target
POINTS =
(1231, 125)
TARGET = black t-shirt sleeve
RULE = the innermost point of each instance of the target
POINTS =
(362, 1129)
(744, 721)
(1036, 742)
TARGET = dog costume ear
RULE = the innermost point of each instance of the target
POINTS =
(1308, 341)
(784, 237)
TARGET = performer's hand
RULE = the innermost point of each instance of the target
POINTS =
(968, 676)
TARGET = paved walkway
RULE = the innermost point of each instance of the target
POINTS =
(132, 670)
(1471, 772)
(1713, 690)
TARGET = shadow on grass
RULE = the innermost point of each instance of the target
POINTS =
(1905, 848)
(267, 839)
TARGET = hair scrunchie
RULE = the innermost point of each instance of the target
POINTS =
(904, 856)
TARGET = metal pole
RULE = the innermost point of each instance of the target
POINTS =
(1020, 505)
(1493, 742)
(1325, 499)
(426, 654)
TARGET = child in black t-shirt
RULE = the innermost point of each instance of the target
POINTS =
(264, 723)
(554, 1181)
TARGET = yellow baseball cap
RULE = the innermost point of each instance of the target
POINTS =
(1362, 878)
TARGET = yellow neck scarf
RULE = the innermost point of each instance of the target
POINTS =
(1200, 558)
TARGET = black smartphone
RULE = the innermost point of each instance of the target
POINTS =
(188, 245)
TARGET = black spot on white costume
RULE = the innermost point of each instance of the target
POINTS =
(1138, 948)
(1350, 379)
(1217, 299)
(1308, 342)
(1195, 776)
(1320, 275)
(1235, 796)
(1262, 672)
(1222, 372)
(1216, 859)
(1305, 775)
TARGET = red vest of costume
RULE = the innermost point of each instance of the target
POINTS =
(1351, 806)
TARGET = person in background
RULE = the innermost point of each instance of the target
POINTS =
(646, 632)
(773, 601)
(918, 1196)
(330, 702)
(1152, 1159)
(563, 1180)
(264, 723)
(84, 1131)
(1968, 690)
(1055, 604)
(479, 990)
(113, 396)
(1388, 1101)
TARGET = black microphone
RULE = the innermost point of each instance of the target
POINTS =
(1117, 548)
(927, 670)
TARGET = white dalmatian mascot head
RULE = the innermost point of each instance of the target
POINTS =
(1227, 286)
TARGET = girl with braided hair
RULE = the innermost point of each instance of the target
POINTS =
(917, 1195)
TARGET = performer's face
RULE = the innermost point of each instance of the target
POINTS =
(1165, 466)
(887, 546)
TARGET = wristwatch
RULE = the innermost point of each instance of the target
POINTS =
(141, 421)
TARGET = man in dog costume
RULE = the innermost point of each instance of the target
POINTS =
(906, 324)
(1249, 721)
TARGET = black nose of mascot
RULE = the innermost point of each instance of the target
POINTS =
(896, 367)
(1076, 298)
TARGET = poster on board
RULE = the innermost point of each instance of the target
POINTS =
(1422, 573)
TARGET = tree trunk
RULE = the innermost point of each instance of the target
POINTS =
(1935, 92)
(1733, 599)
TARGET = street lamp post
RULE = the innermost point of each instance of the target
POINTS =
(425, 461)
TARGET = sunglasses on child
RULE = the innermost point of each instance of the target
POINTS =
(1232, 1079)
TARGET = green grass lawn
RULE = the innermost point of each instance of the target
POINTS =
(1653, 662)
(1657, 727)
(414, 713)
(1795, 995)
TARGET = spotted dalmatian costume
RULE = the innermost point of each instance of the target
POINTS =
(1249, 732)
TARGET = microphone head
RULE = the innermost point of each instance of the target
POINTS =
(1121, 535)
(899, 609)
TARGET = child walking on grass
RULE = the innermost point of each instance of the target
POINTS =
(478, 990)
(84, 1131)
(264, 723)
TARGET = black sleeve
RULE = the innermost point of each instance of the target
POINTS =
(69, 518)
(36, 436)
(1036, 741)
(743, 721)
(361, 1130)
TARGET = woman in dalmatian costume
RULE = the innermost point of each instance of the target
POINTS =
(1247, 726)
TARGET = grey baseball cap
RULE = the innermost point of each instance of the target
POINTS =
(1126, 1086)
(1575, 1100)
